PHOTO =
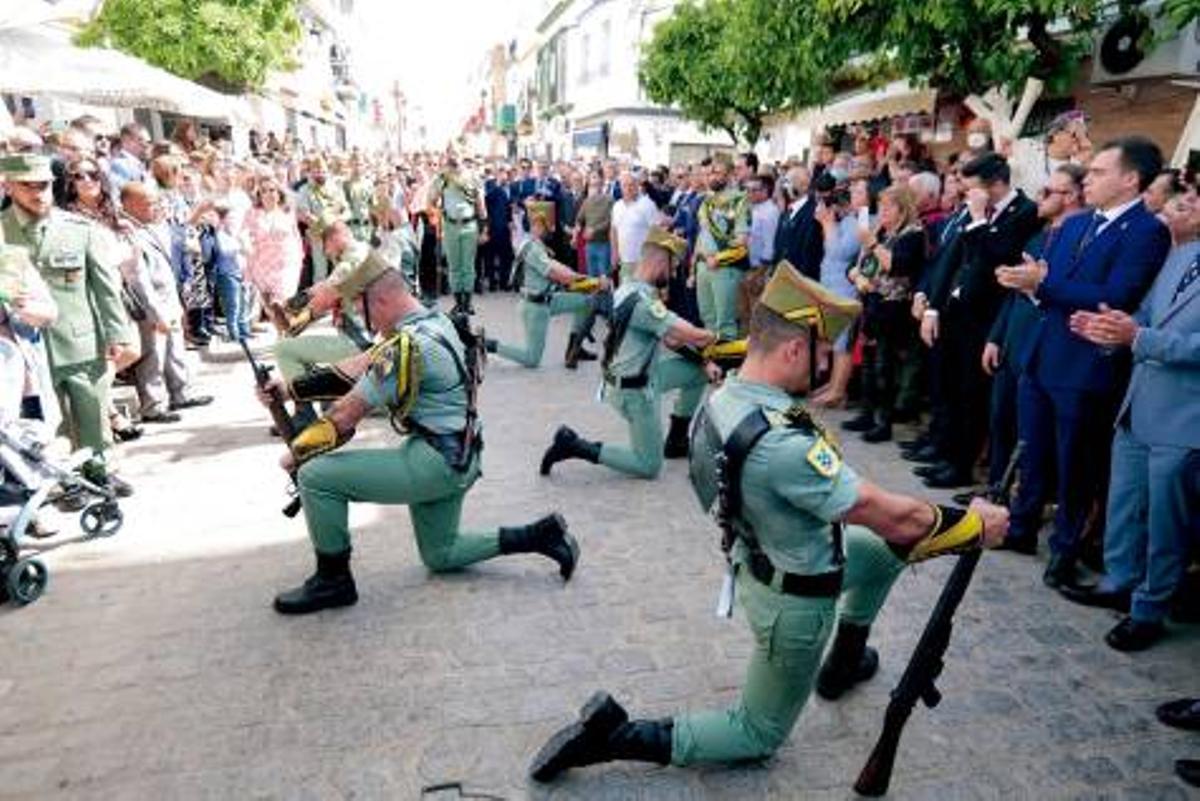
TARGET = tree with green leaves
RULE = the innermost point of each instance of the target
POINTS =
(730, 64)
(228, 44)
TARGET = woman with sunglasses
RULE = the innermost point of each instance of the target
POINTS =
(87, 195)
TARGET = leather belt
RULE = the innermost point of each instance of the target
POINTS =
(541, 299)
(463, 221)
(820, 585)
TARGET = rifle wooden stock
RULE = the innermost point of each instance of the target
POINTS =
(926, 663)
(279, 416)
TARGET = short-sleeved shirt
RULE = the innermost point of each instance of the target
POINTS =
(794, 482)
(440, 404)
(631, 222)
(537, 263)
(724, 218)
(596, 213)
(648, 324)
(457, 194)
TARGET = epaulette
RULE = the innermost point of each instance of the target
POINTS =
(382, 355)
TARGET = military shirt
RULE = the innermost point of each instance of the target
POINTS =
(794, 482)
(537, 264)
(437, 397)
(84, 280)
(724, 217)
(359, 197)
(320, 203)
(459, 195)
(649, 323)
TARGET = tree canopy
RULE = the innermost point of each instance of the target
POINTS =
(229, 44)
(729, 64)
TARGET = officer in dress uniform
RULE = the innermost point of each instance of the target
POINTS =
(783, 493)
(422, 373)
(550, 289)
(84, 279)
(722, 250)
(317, 205)
(635, 378)
(460, 198)
(360, 194)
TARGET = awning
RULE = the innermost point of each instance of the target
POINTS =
(33, 62)
(895, 99)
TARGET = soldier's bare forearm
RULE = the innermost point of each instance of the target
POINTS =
(896, 518)
(348, 412)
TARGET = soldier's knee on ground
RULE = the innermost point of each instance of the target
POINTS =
(437, 559)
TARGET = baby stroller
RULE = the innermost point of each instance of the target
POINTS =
(31, 478)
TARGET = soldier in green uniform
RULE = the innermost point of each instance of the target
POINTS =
(542, 297)
(635, 378)
(460, 198)
(360, 194)
(421, 373)
(812, 548)
(319, 203)
(722, 251)
(92, 328)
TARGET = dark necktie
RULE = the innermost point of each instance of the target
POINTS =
(1093, 228)
(1189, 277)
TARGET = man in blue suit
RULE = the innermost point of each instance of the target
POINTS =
(1154, 501)
(498, 252)
(1069, 387)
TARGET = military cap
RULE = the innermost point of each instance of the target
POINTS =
(722, 159)
(370, 270)
(806, 303)
(26, 167)
(660, 237)
(543, 212)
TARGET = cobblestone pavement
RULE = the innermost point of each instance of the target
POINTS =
(154, 667)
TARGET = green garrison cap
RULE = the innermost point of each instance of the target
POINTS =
(660, 237)
(26, 167)
(806, 303)
(542, 211)
(369, 270)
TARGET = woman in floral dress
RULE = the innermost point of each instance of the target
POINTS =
(275, 250)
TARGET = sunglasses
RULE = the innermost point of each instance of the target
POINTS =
(1047, 191)
(85, 175)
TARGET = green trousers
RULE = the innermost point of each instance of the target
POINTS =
(717, 297)
(412, 473)
(320, 262)
(790, 635)
(641, 408)
(83, 391)
(535, 317)
(459, 242)
(296, 354)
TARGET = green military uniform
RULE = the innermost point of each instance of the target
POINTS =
(421, 374)
(360, 197)
(639, 358)
(724, 220)
(460, 198)
(85, 283)
(542, 299)
(295, 355)
(780, 489)
(323, 204)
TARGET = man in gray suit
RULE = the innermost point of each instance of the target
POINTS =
(163, 376)
(1153, 506)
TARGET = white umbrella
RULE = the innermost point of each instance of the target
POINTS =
(32, 62)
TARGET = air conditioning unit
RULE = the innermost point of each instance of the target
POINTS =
(1121, 57)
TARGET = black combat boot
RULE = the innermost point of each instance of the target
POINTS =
(547, 536)
(677, 445)
(569, 445)
(865, 421)
(603, 733)
(849, 662)
(331, 586)
(491, 345)
(467, 307)
(576, 353)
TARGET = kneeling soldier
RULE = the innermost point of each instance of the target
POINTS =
(782, 495)
(542, 298)
(635, 378)
(421, 373)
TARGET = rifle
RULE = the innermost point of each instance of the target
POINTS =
(926, 662)
(475, 351)
(283, 421)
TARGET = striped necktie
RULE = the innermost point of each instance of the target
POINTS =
(1189, 277)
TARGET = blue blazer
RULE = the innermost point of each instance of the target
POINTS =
(1117, 268)
(498, 200)
(1163, 400)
